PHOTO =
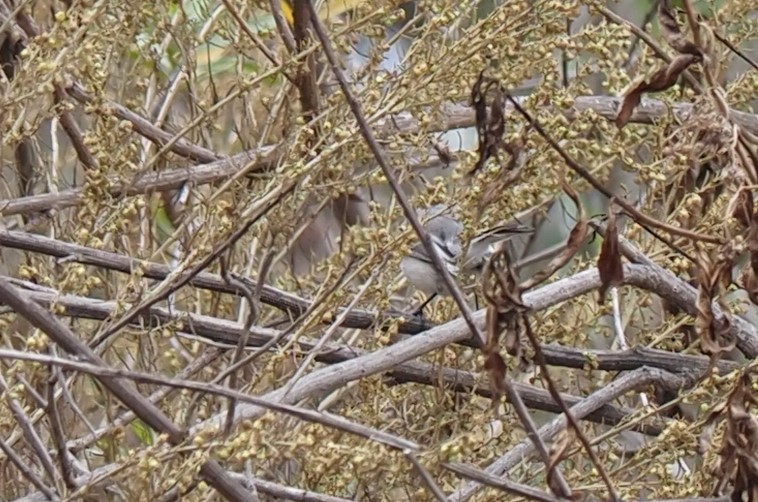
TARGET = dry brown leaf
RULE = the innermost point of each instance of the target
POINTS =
(750, 275)
(513, 336)
(738, 453)
(752, 243)
(743, 207)
(664, 78)
(503, 295)
(490, 121)
(674, 35)
(609, 262)
(496, 370)
(661, 80)
(577, 237)
(713, 277)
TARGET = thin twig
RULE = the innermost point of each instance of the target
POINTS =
(67, 120)
(326, 337)
(279, 491)
(693, 22)
(283, 26)
(257, 41)
(108, 374)
(630, 381)
(26, 471)
(30, 433)
(534, 436)
(52, 327)
(570, 419)
(499, 482)
(426, 476)
(736, 50)
(56, 427)
(257, 211)
(649, 16)
(381, 159)
(200, 362)
(252, 315)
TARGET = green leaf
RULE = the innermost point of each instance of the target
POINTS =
(143, 432)
(163, 227)
(705, 8)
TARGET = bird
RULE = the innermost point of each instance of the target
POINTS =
(444, 231)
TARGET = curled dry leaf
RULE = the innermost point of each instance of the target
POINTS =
(558, 453)
(664, 78)
(496, 371)
(577, 237)
(674, 35)
(661, 80)
(505, 307)
(742, 207)
(714, 278)
(609, 262)
(750, 280)
(514, 326)
(738, 454)
(478, 101)
(711, 61)
(490, 124)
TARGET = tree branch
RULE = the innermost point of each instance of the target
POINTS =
(449, 116)
(126, 393)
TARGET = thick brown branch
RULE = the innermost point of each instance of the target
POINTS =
(144, 127)
(225, 332)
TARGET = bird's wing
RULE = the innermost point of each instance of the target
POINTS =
(419, 252)
(481, 247)
(503, 232)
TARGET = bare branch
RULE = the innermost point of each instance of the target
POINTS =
(454, 116)
(127, 394)
(381, 159)
(109, 374)
(26, 471)
(161, 180)
(262, 486)
(283, 300)
(630, 381)
(30, 433)
(499, 482)
(328, 379)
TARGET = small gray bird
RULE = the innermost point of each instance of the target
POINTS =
(445, 233)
